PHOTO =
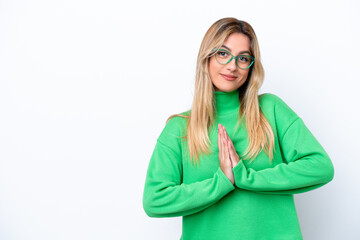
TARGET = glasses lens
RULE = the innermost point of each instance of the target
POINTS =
(222, 57)
(244, 61)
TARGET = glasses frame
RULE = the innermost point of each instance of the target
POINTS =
(234, 57)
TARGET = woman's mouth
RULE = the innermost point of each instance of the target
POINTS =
(228, 77)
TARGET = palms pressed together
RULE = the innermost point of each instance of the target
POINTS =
(228, 157)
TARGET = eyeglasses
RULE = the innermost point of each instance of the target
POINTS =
(242, 61)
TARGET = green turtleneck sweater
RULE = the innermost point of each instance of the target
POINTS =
(260, 206)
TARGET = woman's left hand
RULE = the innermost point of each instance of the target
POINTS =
(234, 157)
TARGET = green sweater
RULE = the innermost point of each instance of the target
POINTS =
(261, 204)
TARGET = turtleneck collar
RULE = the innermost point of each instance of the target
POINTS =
(227, 102)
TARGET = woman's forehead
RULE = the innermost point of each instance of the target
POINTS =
(237, 43)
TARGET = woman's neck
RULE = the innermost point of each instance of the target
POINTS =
(227, 102)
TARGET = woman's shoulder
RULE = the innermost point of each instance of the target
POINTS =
(271, 103)
(270, 99)
(178, 119)
(175, 126)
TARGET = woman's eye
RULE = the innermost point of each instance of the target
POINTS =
(243, 59)
(222, 54)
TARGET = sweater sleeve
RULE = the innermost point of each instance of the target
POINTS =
(165, 195)
(306, 165)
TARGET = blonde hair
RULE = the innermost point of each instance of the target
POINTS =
(201, 118)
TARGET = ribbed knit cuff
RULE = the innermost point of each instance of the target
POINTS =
(224, 181)
(238, 172)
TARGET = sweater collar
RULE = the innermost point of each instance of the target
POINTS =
(227, 102)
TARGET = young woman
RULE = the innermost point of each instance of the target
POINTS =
(231, 164)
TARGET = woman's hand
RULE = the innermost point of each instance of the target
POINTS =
(234, 157)
(224, 155)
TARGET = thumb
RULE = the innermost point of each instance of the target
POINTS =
(232, 157)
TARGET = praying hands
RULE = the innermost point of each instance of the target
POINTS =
(228, 157)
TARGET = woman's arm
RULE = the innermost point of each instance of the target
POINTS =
(164, 193)
(308, 166)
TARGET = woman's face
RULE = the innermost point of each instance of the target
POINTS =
(228, 77)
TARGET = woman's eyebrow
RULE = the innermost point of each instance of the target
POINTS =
(239, 52)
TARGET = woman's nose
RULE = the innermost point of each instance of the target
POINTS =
(231, 65)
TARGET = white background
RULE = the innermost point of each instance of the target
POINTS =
(86, 88)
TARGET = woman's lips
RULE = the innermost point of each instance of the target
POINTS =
(228, 77)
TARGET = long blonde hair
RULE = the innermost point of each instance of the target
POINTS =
(201, 117)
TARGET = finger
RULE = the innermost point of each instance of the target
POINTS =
(222, 149)
(226, 135)
(229, 155)
(231, 149)
(222, 138)
(226, 150)
(219, 138)
(232, 154)
(221, 145)
(229, 140)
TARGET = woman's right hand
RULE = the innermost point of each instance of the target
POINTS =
(224, 156)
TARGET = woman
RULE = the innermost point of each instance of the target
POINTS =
(231, 164)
